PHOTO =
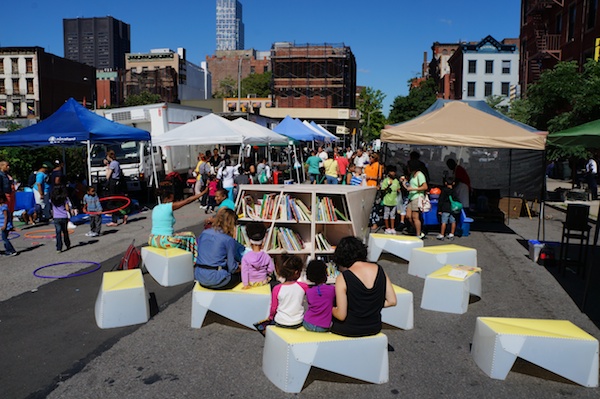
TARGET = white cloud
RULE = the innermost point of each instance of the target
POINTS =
(446, 21)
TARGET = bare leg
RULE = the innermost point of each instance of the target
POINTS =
(452, 228)
(416, 221)
(443, 229)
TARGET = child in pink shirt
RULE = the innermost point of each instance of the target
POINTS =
(320, 298)
(213, 186)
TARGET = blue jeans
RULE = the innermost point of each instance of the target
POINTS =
(311, 327)
(331, 180)
(60, 226)
(8, 248)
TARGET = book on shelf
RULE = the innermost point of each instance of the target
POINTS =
(241, 236)
(292, 209)
(286, 239)
(327, 212)
(321, 243)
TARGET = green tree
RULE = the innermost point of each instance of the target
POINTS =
(227, 88)
(494, 102)
(418, 100)
(370, 102)
(257, 83)
(143, 98)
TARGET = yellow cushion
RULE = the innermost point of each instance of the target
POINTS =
(396, 237)
(122, 280)
(262, 290)
(536, 328)
(301, 336)
(166, 252)
(442, 273)
(443, 249)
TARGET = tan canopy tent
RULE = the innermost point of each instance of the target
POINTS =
(459, 124)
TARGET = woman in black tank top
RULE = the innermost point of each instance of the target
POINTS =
(362, 290)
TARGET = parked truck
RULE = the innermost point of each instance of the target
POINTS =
(134, 157)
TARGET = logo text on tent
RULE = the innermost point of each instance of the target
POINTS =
(59, 140)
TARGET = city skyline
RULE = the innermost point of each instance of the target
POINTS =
(388, 40)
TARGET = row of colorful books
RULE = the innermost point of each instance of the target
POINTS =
(327, 212)
(286, 239)
(289, 208)
(293, 209)
(321, 243)
(241, 236)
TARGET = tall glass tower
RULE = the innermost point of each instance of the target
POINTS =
(230, 28)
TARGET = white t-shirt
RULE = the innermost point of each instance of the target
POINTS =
(287, 303)
(592, 166)
(362, 160)
(323, 155)
(227, 173)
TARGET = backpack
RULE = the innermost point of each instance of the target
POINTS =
(262, 177)
(31, 179)
(131, 259)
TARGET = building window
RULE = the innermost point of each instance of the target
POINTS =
(17, 109)
(489, 66)
(265, 69)
(28, 65)
(1, 65)
(30, 86)
(15, 84)
(559, 24)
(30, 108)
(470, 89)
(505, 88)
(592, 9)
(252, 70)
(571, 28)
(472, 66)
(506, 66)
(2, 109)
(14, 65)
(2, 87)
(488, 88)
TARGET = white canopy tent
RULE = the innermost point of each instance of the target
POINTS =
(251, 129)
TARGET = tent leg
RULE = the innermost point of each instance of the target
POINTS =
(89, 162)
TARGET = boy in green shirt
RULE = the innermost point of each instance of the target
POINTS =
(390, 187)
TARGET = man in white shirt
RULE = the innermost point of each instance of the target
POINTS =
(362, 158)
(322, 154)
(591, 173)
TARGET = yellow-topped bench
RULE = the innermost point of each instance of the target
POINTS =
(429, 259)
(555, 345)
(448, 289)
(290, 353)
(168, 266)
(401, 315)
(245, 307)
(122, 300)
(399, 245)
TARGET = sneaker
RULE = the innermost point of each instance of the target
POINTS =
(89, 234)
(58, 251)
(94, 235)
(387, 231)
(440, 237)
(451, 236)
(12, 254)
(422, 236)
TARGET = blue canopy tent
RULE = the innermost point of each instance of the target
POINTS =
(324, 131)
(73, 125)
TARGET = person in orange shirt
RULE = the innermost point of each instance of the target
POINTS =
(373, 171)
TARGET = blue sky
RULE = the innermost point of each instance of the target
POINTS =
(387, 37)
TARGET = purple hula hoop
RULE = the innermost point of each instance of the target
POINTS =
(68, 263)
(12, 235)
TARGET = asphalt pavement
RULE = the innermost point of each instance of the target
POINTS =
(51, 346)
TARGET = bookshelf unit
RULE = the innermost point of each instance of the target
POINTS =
(283, 207)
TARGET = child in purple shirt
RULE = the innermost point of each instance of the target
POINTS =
(257, 265)
(319, 297)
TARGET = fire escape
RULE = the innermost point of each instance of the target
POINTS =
(546, 49)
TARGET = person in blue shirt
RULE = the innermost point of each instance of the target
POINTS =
(41, 189)
(219, 255)
(163, 233)
(223, 201)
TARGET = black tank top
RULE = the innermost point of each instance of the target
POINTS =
(364, 306)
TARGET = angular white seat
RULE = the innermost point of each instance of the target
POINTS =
(122, 300)
(429, 259)
(401, 315)
(245, 307)
(444, 293)
(555, 345)
(170, 266)
(289, 354)
(399, 245)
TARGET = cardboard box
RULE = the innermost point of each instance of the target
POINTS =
(511, 207)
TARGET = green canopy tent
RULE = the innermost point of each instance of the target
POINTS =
(587, 136)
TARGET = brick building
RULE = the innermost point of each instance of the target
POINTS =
(226, 65)
(556, 30)
(34, 84)
(313, 76)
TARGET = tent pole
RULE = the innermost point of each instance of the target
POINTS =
(509, 182)
(89, 162)
(154, 174)
(541, 216)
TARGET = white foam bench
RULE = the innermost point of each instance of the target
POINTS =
(122, 299)
(245, 307)
(169, 266)
(290, 353)
(448, 289)
(429, 259)
(399, 245)
(555, 345)
(401, 315)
